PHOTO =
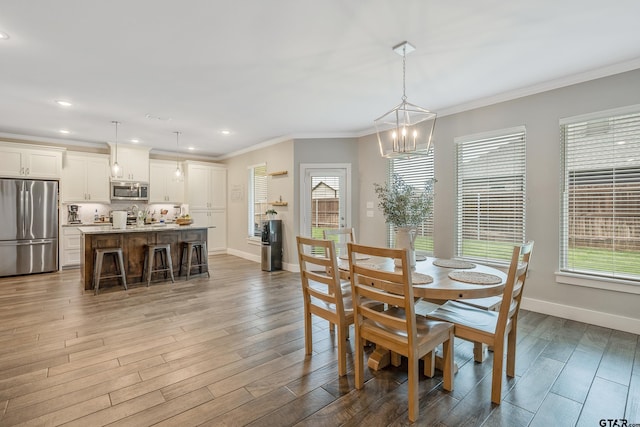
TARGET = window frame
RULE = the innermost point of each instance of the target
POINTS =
(576, 173)
(426, 230)
(491, 219)
(253, 233)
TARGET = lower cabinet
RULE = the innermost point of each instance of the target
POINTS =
(70, 253)
(216, 220)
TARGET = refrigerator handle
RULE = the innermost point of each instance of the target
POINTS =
(26, 213)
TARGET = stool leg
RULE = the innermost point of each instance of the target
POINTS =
(189, 259)
(163, 262)
(170, 264)
(123, 273)
(206, 258)
(152, 258)
(97, 271)
(184, 247)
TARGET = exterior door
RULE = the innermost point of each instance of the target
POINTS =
(325, 196)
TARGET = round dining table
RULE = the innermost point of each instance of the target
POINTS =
(479, 281)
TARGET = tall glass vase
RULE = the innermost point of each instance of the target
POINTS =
(406, 239)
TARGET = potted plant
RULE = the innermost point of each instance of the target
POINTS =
(271, 214)
(405, 207)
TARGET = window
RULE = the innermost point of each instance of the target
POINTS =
(491, 181)
(417, 172)
(600, 219)
(257, 199)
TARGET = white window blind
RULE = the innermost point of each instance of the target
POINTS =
(419, 173)
(491, 182)
(600, 217)
(257, 199)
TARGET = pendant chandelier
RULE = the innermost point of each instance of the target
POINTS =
(178, 171)
(116, 170)
(406, 130)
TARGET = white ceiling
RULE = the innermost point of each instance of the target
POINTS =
(276, 69)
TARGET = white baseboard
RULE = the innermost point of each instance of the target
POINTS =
(599, 318)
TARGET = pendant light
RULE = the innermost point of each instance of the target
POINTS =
(406, 130)
(116, 170)
(178, 172)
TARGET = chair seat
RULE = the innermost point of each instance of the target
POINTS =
(466, 315)
(427, 330)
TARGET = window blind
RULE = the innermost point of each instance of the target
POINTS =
(257, 198)
(417, 172)
(600, 213)
(491, 201)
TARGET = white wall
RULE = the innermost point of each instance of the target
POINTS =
(540, 114)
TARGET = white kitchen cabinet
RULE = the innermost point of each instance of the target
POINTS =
(85, 177)
(70, 253)
(206, 186)
(217, 233)
(30, 161)
(133, 161)
(164, 186)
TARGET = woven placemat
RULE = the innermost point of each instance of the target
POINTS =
(453, 263)
(475, 277)
(343, 265)
(421, 279)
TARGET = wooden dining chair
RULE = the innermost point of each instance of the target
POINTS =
(491, 327)
(341, 236)
(397, 328)
(322, 293)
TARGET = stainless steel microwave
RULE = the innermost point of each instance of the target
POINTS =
(127, 190)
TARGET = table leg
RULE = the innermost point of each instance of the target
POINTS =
(381, 358)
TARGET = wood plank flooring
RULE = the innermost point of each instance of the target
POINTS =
(230, 351)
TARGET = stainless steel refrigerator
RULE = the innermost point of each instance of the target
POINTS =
(28, 226)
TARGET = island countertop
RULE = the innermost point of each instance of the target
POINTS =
(133, 241)
(108, 229)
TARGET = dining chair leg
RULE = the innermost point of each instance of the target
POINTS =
(479, 352)
(359, 361)
(342, 350)
(308, 343)
(447, 363)
(429, 364)
(511, 351)
(496, 379)
(413, 370)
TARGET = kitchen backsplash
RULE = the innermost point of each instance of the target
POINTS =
(87, 211)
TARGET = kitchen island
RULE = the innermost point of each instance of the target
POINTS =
(132, 240)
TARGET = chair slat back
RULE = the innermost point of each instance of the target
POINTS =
(520, 260)
(391, 288)
(319, 273)
(340, 236)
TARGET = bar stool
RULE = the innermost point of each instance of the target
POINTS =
(118, 260)
(150, 266)
(200, 248)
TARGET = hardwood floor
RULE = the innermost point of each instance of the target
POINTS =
(230, 351)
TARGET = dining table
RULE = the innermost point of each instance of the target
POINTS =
(436, 280)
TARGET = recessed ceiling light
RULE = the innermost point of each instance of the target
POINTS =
(4, 36)
(65, 131)
(135, 140)
(63, 103)
(191, 148)
(225, 132)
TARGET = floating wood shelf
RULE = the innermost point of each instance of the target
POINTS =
(278, 173)
(279, 203)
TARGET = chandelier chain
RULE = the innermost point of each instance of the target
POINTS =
(404, 73)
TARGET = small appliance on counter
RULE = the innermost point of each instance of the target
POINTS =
(72, 214)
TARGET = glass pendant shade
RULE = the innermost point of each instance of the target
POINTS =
(177, 174)
(405, 131)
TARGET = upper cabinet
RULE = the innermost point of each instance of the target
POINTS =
(30, 161)
(85, 177)
(133, 161)
(164, 186)
(206, 185)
